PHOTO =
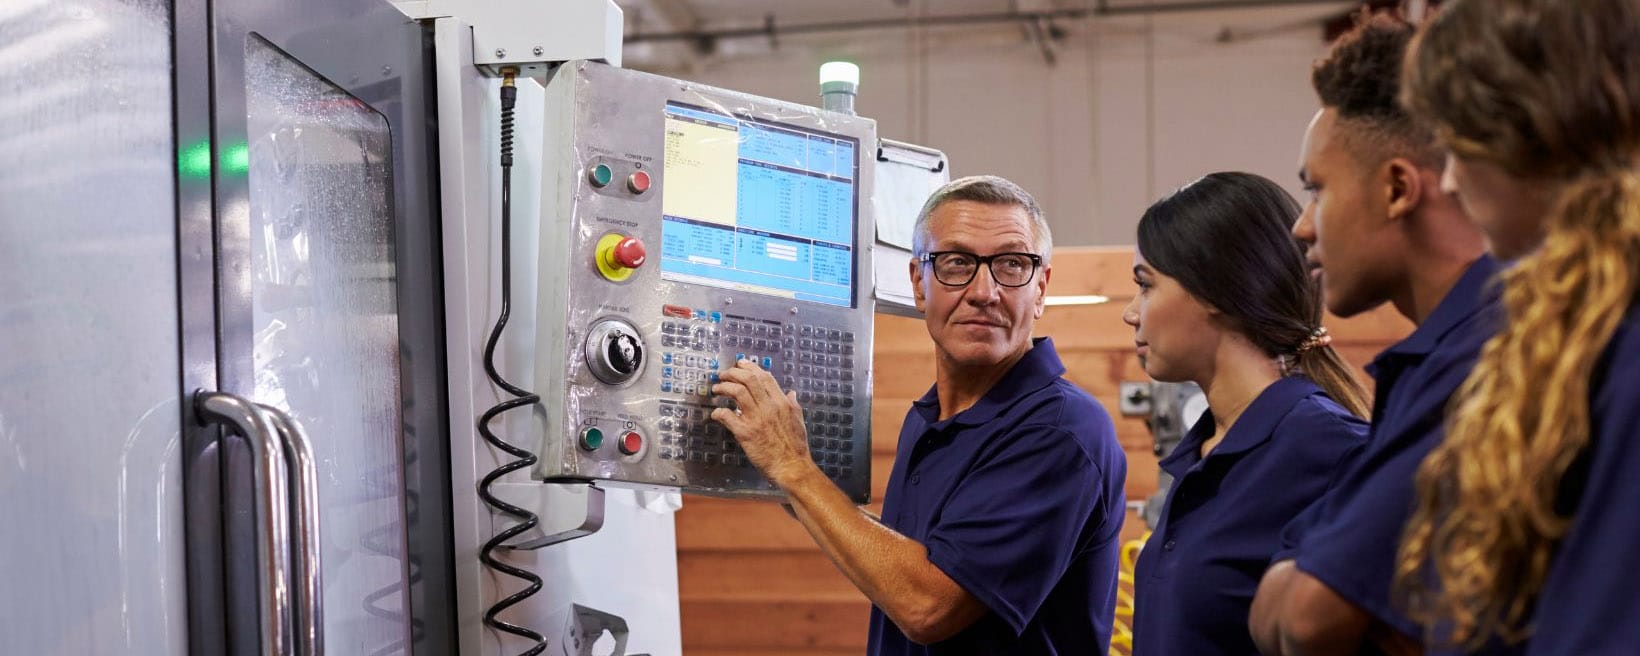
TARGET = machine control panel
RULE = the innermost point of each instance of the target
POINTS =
(684, 228)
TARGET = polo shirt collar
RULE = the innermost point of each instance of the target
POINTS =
(1039, 368)
(1253, 428)
(1473, 291)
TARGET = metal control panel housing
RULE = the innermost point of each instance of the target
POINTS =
(762, 250)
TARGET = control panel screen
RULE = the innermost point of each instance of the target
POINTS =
(759, 206)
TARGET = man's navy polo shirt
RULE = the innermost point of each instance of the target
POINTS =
(1348, 540)
(1019, 499)
(1223, 518)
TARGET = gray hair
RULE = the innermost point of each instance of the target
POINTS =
(991, 190)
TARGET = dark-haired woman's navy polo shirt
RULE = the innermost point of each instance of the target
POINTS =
(1222, 521)
(1019, 499)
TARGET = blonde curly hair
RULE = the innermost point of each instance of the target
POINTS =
(1550, 91)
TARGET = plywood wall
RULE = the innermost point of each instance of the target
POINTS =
(752, 583)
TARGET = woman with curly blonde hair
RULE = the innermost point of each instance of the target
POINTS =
(1524, 537)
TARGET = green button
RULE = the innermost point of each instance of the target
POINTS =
(591, 439)
(601, 175)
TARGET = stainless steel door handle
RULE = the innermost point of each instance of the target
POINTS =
(271, 482)
(308, 572)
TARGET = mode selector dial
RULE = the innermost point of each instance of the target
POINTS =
(614, 351)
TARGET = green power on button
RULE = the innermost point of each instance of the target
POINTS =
(591, 439)
(601, 175)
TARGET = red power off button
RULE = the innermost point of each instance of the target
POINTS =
(631, 442)
(638, 182)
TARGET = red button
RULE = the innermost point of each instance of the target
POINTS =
(630, 253)
(631, 442)
(638, 182)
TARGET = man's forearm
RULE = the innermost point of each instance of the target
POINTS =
(891, 569)
(1295, 614)
(1264, 620)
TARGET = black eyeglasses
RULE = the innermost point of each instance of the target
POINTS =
(956, 268)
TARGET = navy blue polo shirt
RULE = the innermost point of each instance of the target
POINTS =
(1019, 499)
(1588, 605)
(1348, 540)
(1223, 519)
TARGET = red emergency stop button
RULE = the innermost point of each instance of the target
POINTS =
(629, 253)
(638, 182)
(631, 442)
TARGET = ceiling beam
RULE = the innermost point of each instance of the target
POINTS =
(678, 15)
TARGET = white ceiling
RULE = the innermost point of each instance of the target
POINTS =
(649, 16)
(650, 22)
(671, 15)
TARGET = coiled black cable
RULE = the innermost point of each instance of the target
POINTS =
(521, 399)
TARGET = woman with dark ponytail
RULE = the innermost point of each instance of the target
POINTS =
(1226, 301)
(1524, 538)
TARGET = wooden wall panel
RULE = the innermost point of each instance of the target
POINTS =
(752, 582)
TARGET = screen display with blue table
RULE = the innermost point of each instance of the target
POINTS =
(759, 206)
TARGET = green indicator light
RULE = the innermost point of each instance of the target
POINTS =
(195, 161)
(236, 159)
(591, 439)
(601, 175)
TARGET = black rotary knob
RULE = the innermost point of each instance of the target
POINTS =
(614, 352)
(625, 353)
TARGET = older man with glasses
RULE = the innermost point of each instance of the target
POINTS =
(1011, 546)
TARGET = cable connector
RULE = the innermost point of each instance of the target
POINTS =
(509, 98)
